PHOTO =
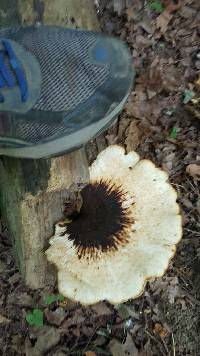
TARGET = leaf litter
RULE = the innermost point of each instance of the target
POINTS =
(161, 122)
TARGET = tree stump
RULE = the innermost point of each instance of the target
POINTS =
(32, 192)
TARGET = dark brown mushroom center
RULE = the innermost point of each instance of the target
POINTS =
(102, 223)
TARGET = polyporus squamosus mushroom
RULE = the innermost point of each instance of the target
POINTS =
(126, 232)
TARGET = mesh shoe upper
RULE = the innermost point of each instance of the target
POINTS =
(68, 75)
(78, 83)
(66, 81)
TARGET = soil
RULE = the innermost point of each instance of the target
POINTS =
(160, 122)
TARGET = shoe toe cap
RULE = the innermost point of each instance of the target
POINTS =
(116, 56)
(112, 52)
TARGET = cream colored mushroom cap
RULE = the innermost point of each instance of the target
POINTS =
(142, 250)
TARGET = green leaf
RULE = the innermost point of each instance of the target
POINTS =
(173, 133)
(36, 318)
(61, 298)
(188, 95)
(156, 6)
(103, 332)
(49, 299)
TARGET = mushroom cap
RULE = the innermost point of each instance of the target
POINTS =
(136, 227)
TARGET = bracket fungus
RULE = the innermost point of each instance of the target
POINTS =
(125, 234)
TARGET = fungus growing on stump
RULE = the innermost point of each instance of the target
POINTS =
(125, 234)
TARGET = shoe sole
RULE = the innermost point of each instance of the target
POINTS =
(67, 143)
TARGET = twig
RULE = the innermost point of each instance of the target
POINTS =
(178, 185)
(164, 344)
(192, 187)
(89, 341)
(193, 231)
(173, 343)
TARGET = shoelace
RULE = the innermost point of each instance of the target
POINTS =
(8, 77)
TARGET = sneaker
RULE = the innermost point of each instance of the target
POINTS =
(59, 88)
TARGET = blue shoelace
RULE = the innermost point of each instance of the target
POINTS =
(10, 78)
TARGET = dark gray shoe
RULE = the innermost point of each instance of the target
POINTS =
(58, 88)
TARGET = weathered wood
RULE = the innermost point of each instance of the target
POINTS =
(32, 191)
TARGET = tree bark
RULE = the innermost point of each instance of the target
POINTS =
(32, 192)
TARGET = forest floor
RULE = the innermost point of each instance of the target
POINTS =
(161, 121)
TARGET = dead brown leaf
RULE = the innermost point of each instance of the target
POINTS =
(116, 348)
(173, 6)
(126, 349)
(17, 345)
(129, 346)
(90, 353)
(133, 10)
(159, 329)
(147, 350)
(55, 317)
(187, 12)
(47, 337)
(193, 170)
(24, 300)
(138, 106)
(101, 309)
(169, 288)
(163, 20)
(123, 125)
(133, 136)
(76, 319)
(111, 139)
